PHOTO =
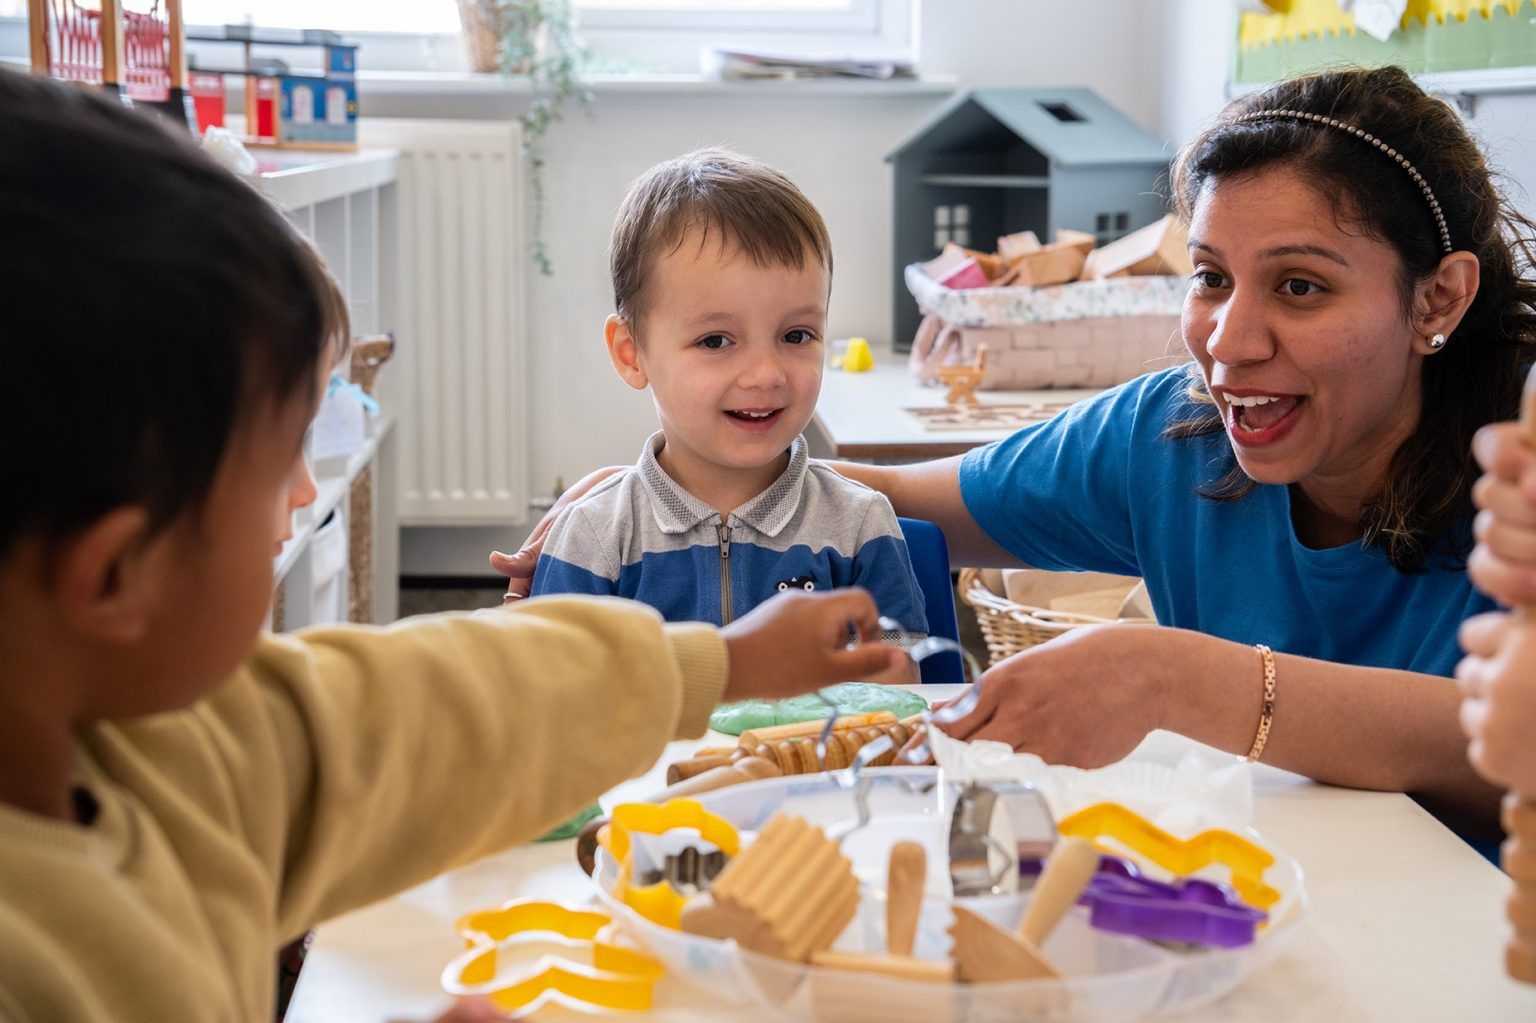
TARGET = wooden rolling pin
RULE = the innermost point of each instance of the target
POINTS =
(775, 737)
(797, 754)
(742, 770)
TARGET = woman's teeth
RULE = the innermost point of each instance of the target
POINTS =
(1250, 401)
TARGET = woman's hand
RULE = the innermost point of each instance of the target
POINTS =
(1087, 698)
(798, 641)
(518, 568)
(1504, 563)
(1498, 712)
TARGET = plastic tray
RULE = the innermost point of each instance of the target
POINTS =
(1109, 977)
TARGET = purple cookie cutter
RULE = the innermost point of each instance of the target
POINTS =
(1192, 912)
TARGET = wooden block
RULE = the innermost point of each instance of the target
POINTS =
(1012, 246)
(992, 265)
(1066, 238)
(1155, 249)
(789, 894)
(1051, 265)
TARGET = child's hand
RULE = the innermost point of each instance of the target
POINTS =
(518, 568)
(1504, 563)
(798, 641)
(1498, 680)
(472, 1010)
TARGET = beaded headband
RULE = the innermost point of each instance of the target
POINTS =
(1402, 161)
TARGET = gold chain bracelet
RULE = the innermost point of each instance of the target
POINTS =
(1267, 715)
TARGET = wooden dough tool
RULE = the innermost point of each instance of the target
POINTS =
(789, 894)
(1520, 807)
(903, 901)
(984, 952)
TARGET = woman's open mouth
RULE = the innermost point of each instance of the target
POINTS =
(1256, 419)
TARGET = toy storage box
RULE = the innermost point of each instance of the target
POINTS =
(1082, 334)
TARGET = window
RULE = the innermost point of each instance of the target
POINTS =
(338, 15)
(861, 16)
(951, 224)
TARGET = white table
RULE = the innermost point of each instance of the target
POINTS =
(1406, 922)
(862, 416)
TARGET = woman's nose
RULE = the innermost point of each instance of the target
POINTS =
(1239, 332)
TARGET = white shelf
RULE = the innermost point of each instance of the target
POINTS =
(371, 83)
(296, 179)
(332, 491)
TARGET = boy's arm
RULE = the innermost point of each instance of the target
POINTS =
(381, 757)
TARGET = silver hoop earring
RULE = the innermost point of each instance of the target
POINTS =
(1437, 342)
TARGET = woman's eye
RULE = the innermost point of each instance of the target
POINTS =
(714, 342)
(1208, 278)
(799, 337)
(1300, 288)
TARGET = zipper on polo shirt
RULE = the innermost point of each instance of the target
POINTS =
(724, 532)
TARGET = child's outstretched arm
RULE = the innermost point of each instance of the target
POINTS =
(358, 762)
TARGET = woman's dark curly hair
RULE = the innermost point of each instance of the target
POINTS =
(1424, 505)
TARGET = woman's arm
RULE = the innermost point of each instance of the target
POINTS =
(931, 491)
(1090, 697)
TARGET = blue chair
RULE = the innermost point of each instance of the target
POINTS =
(930, 563)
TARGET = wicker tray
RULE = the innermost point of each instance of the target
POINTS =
(1008, 626)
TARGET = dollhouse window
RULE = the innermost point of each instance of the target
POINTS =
(951, 224)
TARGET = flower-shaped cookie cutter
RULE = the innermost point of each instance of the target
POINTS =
(661, 902)
(529, 953)
(1243, 858)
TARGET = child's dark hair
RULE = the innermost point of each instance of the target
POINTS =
(750, 205)
(1424, 505)
(150, 303)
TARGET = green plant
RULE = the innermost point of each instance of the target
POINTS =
(535, 40)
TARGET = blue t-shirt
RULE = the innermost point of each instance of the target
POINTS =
(1100, 489)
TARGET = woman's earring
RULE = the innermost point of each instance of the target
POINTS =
(1437, 342)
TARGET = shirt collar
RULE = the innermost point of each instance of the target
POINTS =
(678, 511)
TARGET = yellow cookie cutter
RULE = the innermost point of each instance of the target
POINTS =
(527, 916)
(660, 903)
(612, 978)
(1246, 860)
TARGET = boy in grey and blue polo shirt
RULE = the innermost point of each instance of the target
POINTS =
(640, 535)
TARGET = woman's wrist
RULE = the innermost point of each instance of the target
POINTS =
(1208, 689)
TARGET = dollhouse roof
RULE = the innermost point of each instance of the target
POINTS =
(1070, 127)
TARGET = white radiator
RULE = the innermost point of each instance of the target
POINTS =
(457, 228)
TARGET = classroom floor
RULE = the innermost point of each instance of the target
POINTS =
(417, 599)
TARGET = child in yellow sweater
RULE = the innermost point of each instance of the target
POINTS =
(178, 795)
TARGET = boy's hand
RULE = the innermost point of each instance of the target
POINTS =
(1504, 563)
(798, 641)
(518, 568)
(1498, 680)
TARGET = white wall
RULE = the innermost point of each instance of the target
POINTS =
(833, 147)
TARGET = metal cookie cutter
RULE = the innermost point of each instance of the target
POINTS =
(1000, 832)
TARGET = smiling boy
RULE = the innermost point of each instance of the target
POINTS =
(721, 273)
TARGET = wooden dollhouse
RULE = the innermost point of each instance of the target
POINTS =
(998, 161)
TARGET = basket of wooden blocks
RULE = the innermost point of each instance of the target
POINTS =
(1063, 314)
(1018, 609)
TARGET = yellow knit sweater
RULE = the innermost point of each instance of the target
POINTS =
(336, 768)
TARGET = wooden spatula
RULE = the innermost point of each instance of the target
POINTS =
(985, 952)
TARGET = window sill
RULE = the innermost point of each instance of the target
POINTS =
(462, 83)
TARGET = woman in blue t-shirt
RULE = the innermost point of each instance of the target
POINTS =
(1297, 499)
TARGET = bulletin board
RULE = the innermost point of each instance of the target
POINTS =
(1434, 36)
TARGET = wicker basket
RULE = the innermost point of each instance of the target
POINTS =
(1009, 626)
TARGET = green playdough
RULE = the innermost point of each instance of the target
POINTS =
(850, 697)
(572, 827)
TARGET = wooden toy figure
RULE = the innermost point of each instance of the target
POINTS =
(963, 380)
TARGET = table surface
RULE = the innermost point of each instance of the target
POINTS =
(863, 415)
(1406, 921)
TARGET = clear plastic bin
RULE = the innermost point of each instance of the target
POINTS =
(1108, 977)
